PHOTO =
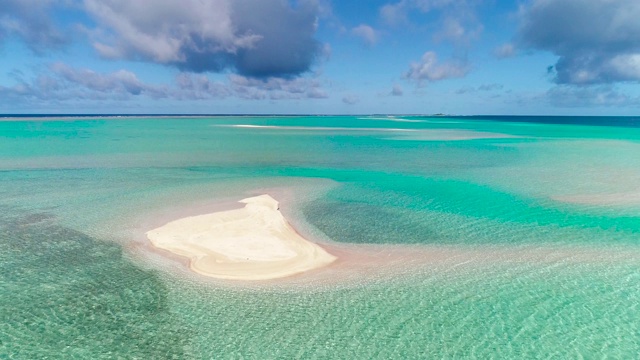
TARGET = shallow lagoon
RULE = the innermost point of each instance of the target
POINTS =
(538, 224)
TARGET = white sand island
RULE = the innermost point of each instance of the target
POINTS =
(252, 243)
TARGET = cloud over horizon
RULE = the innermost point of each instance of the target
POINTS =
(61, 82)
(589, 96)
(255, 38)
(598, 41)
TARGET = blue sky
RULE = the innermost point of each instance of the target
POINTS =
(533, 57)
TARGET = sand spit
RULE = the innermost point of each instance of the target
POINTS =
(251, 243)
(401, 134)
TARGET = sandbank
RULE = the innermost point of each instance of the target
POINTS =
(451, 135)
(252, 243)
(401, 134)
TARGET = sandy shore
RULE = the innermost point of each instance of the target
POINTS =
(251, 243)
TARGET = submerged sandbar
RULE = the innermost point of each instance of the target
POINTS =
(252, 243)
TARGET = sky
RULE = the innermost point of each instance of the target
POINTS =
(466, 57)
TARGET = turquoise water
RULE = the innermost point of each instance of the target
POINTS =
(74, 284)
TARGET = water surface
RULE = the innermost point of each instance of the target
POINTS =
(75, 191)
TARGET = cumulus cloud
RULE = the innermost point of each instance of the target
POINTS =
(30, 21)
(429, 69)
(366, 33)
(598, 41)
(256, 38)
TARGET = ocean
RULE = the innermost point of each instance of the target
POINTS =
(534, 223)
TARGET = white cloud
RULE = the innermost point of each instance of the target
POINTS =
(121, 81)
(158, 30)
(627, 65)
(454, 30)
(258, 38)
(456, 19)
(61, 82)
(366, 33)
(276, 88)
(597, 41)
(199, 87)
(394, 14)
(430, 69)
(589, 96)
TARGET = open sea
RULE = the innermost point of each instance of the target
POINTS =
(536, 220)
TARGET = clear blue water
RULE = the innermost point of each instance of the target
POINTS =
(74, 193)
